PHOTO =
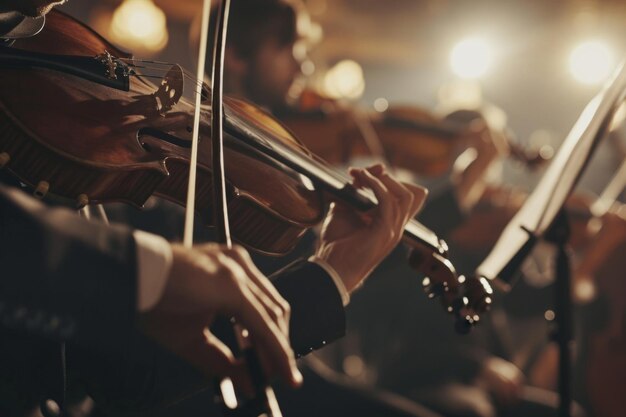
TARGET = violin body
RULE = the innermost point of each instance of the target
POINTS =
(78, 122)
(72, 138)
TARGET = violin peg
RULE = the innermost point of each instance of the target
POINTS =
(42, 189)
(81, 201)
(479, 293)
(434, 289)
(476, 299)
(458, 305)
(4, 159)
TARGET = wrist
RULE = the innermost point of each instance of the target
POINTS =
(351, 276)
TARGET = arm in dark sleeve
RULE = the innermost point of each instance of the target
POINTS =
(317, 318)
(317, 312)
(64, 278)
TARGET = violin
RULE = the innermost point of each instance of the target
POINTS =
(406, 137)
(81, 121)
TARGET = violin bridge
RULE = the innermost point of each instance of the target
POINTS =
(170, 91)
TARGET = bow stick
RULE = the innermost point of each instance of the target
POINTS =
(265, 402)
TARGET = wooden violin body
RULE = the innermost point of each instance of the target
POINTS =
(72, 138)
(78, 121)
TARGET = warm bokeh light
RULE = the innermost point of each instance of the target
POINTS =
(459, 94)
(345, 80)
(591, 62)
(139, 25)
(307, 68)
(471, 58)
(381, 104)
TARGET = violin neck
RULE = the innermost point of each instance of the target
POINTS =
(415, 233)
(321, 174)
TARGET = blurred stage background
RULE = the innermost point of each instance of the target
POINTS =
(538, 61)
(534, 63)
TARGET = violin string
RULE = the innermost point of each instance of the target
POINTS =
(155, 76)
(298, 145)
(323, 163)
(162, 64)
(158, 66)
(165, 72)
(146, 61)
(147, 75)
(161, 76)
(164, 67)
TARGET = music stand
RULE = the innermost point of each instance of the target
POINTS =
(542, 217)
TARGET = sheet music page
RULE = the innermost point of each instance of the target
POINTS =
(542, 206)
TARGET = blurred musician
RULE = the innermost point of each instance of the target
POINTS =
(260, 66)
(413, 347)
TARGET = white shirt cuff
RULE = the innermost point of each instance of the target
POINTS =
(154, 261)
(341, 287)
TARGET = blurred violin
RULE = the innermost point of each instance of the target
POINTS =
(406, 137)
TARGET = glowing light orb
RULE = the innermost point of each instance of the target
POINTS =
(381, 104)
(139, 25)
(345, 80)
(471, 58)
(591, 62)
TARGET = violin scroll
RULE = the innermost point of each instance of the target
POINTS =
(440, 276)
(476, 299)
(466, 298)
(441, 280)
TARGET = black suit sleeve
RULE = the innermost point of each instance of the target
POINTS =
(317, 313)
(64, 278)
(150, 377)
(317, 318)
